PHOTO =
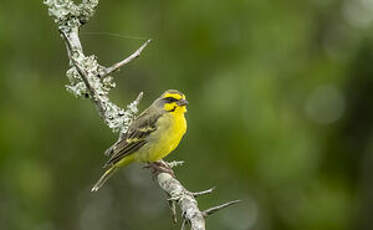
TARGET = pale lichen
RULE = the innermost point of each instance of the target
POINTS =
(65, 11)
(96, 85)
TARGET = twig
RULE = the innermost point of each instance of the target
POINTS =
(172, 206)
(69, 45)
(183, 224)
(174, 164)
(130, 58)
(214, 209)
(208, 191)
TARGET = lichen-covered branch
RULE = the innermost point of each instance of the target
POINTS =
(184, 198)
(87, 77)
(177, 193)
(91, 80)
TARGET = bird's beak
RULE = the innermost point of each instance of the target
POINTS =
(182, 102)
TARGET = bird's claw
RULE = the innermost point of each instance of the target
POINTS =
(160, 167)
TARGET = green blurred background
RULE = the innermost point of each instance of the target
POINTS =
(280, 114)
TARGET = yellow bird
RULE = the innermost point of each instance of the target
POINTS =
(154, 134)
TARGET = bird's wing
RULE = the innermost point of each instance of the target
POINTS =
(135, 137)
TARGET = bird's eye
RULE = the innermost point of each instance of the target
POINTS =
(170, 99)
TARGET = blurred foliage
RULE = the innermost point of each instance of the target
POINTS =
(280, 114)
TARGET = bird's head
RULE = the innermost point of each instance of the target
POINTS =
(172, 101)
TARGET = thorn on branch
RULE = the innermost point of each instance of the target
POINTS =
(172, 206)
(133, 106)
(174, 164)
(212, 210)
(208, 191)
(136, 102)
(139, 97)
(183, 224)
(130, 58)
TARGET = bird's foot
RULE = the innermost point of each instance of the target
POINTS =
(160, 167)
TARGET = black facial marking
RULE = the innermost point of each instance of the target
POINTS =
(169, 99)
(172, 110)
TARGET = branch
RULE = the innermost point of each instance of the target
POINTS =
(91, 80)
(132, 57)
(172, 206)
(208, 191)
(186, 201)
(87, 77)
(176, 192)
(214, 209)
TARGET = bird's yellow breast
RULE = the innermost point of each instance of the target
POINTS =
(171, 127)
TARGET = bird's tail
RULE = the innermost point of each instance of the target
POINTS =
(104, 178)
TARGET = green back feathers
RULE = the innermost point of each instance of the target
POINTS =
(135, 137)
